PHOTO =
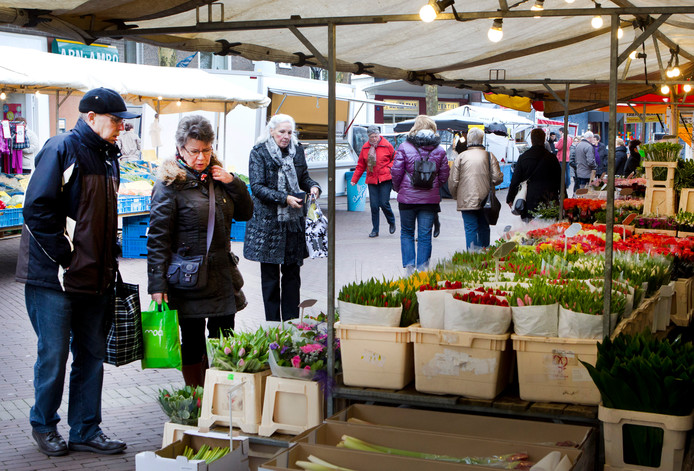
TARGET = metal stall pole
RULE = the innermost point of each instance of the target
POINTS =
(612, 132)
(332, 66)
(566, 150)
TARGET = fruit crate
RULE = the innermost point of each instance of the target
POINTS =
(11, 217)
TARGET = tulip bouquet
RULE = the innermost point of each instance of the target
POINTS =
(182, 406)
(245, 352)
(372, 292)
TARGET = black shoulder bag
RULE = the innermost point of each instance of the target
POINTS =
(190, 272)
(492, 205)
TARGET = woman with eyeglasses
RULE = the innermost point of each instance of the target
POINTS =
(179, 225)
(276, 235)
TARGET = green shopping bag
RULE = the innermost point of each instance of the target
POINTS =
(162, 345)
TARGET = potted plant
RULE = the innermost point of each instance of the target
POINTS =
(182, 406)
(660, 224)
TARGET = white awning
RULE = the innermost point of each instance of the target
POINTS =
(368, 101)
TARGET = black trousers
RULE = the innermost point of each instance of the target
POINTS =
(193, 342)
(281, 294)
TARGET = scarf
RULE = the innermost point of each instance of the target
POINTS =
(371, 159)
(200, 176)
(287, 182)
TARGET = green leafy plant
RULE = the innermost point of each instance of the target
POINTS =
(684, 175)
(371, 292)
(662, 151)
(245, 352)
(685, 221)
(182, 406)
(547, 211)
(642, 373)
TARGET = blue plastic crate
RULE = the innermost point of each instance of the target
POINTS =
(11, 217)
(238, 230)
(135, 247)
(133, 204)
(135, 226)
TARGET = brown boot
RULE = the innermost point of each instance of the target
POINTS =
(192, 374)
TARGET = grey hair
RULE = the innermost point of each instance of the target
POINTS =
(588, 135)
(194, 127)
(272, 124)
(475, 136)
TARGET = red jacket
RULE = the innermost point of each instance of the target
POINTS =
(384, 161)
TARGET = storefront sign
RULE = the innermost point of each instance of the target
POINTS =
(414, 103)
(95, 51)
(634, 119)
(448, 105)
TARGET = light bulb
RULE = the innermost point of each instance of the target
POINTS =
(427, 13)
(632, 55)
(664, 89)
(160, 98)
(687, 88)
(569, 1)
(539, 5)
(178, 103)
(620, 33)
(675, 71)
(495, 33)
(3, 96)
(38, 92)
(596, 22)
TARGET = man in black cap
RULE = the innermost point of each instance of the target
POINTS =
(67, 260)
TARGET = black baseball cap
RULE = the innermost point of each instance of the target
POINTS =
(105, 101)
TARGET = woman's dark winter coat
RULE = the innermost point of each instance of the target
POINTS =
(178, 222)
(542, 168)
(267, 240)
(633, 162)
(620, 160)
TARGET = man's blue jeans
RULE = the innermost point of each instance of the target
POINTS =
(379, 198)
(65, 321)
(476, 229)
(424, 220)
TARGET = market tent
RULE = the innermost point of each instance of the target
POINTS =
(388, 40)
(166, 89)
(459, 118)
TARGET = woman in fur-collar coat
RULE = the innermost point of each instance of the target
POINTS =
(178, 224)
(276, 235)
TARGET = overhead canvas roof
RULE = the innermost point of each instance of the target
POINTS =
(383, 38)
(163, 88)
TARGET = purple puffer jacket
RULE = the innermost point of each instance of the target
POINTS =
(404, 166)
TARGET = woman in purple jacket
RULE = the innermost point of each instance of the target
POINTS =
(417, 204)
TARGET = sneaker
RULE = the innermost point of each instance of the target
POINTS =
(50, 443)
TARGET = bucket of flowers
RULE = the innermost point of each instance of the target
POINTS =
(581, 310)
(482, 310)
(371, 302)
(535, 309)
(182, 406)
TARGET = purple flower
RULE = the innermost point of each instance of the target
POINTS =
(274, 346)
(284, 349)
(241, 362)
(242, 352)
(227, 350)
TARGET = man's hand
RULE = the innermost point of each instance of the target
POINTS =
(159, 297)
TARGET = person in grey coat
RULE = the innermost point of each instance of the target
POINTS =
(276, 235)
(585, 160)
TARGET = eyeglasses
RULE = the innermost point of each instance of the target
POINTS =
(197, 152)
(115, 120)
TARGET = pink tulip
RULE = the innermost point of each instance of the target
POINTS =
(227, 350)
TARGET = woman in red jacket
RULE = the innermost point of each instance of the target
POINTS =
(376, 157)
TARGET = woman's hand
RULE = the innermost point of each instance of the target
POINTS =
(294, 202)
(351, 183)
(315, 191)
(159, 297)
(219, 174)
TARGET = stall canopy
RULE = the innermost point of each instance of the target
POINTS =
(386, 38)
(166, 89)
(459, 118)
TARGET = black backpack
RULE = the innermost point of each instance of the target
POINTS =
(424, 173)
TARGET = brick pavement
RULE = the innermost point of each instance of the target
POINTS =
(130, 411)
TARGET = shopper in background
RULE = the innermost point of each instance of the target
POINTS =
(634, 160)
(600, 155)
(542, 172)
(129, 144)
(418, 205)
(563, 155)
(552, 140)
(178, 224)
(469, 185)
(376, 158)
(67, 258)
(276, 236)
(28, 153)
(585, 160)
(620, 156)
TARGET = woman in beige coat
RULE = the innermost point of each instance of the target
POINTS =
(469, 185)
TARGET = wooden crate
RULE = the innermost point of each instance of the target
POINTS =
(640, 230)
(669, 182)
(641, 318)
(685, 234)
(659, 201)
(687, 200)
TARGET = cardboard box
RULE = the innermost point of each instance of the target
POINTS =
(361, 460)
(461, 363)
(477, 426)
(174, 432)
(426, 442)
(169, 459)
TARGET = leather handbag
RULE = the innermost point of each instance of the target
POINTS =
(492, 205)
(190, 272)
